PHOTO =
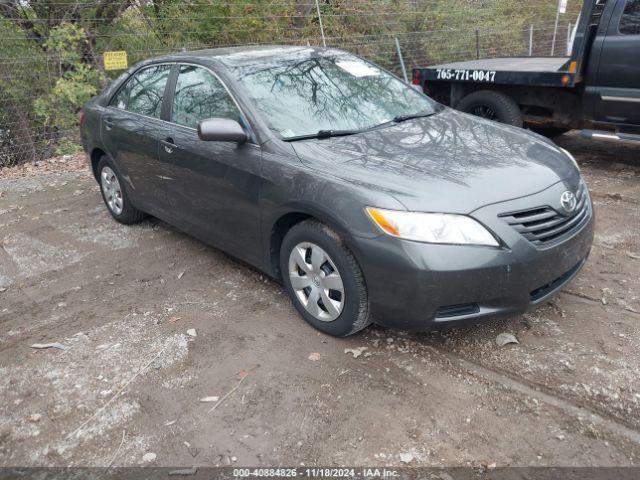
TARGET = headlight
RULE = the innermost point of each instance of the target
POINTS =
(432, 227)
(566, 152)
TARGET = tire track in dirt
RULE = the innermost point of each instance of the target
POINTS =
(547, 395)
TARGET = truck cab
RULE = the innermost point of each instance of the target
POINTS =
(596, 88)
(612, 80)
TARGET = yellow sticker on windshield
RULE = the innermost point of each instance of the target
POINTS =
(116, 60)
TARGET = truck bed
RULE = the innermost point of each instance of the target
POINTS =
(526, 71)
(511, 64)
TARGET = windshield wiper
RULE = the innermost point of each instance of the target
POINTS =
(411, 116)
(323, 134)
(343, 133)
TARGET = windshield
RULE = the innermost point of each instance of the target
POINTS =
(341, 92)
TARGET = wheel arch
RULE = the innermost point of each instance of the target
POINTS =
(96, 155)
(285, 221)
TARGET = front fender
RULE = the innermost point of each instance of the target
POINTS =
(335, 202)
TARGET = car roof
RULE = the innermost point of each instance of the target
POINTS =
(250, 55)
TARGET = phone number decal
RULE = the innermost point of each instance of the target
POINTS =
(466, 75)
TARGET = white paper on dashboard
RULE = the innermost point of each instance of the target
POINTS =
(358, 69)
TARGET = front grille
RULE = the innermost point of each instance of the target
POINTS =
(544, 225)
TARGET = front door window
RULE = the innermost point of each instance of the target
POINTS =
(200, 95)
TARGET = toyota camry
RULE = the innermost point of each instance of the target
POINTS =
(365, 198)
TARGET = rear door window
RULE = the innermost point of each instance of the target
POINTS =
(143, 93)
(630, 21)
(200, 95)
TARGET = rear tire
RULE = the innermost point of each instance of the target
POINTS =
(347, 294)
(492, 106)
(115, 195)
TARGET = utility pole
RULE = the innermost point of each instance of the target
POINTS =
(562, 8)
(404, 69)
(324, 42)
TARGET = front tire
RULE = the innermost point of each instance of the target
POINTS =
(115, 195)
(324, 280)
(492, 106)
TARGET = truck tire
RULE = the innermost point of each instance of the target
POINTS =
(493, 106)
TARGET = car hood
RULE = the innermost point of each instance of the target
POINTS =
(449, 162)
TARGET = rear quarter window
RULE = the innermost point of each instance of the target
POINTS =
(143, 93)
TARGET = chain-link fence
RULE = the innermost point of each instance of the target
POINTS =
(52, 51)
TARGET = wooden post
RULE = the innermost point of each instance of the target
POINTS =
(324, 42)
(404, 70)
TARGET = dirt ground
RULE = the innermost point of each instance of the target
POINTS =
(154, 322)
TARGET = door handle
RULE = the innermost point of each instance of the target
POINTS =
(169, 146)
(108, 123)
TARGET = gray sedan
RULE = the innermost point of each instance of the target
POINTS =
(365, 198)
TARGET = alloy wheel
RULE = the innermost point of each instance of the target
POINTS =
(111, 190)
(316, 281)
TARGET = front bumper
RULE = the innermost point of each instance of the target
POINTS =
(418, 286)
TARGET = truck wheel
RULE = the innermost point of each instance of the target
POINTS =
(493, 106)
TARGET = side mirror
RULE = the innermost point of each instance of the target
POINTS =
(221, 130)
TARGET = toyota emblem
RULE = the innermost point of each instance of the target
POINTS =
(568, 201)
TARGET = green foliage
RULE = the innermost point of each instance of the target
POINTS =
(180, 24)
(65, 42)
(23, 77)
(59, 108)
(67, 146)
(78, 82)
